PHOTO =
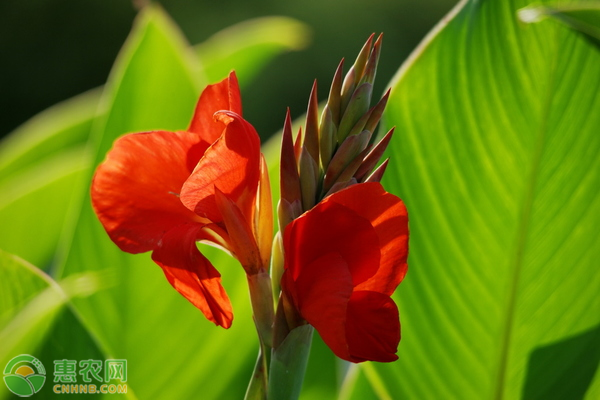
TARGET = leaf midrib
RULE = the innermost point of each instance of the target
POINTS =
(524, 223)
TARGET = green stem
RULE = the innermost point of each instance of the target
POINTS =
(257, 388)
(261, 299)
(288, 364)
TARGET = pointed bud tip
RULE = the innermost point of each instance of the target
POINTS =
(377, 175)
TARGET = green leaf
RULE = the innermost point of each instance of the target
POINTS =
(61, 127)
(173, 351)
(41, 165)
(582, 16)
(45, 187)
(248, 46)
(31, 301)
(20, 282)
(35, 317)
(497, 156)
(18, 384)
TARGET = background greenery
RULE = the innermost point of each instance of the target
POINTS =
(496, 154)
(55, 49)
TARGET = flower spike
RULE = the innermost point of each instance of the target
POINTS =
(346, 253)
(333, 149)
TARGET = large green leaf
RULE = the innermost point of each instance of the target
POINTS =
(40, 168)
(497, 156)
(35, 317)
(35, 202)
(172, 351)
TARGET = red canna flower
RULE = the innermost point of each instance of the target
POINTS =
(343, 260)
(163, 191)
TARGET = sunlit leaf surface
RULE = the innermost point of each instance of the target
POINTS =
(497, 155)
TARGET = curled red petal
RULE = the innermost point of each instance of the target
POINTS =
(332, 227)
(192, 275)
(372, 327)
(387, 214)
(224, 95)
(135, 191)
(232, 165)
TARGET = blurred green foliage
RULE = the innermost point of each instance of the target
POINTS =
(55, 49)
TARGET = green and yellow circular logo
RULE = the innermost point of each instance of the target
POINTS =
(24, 375)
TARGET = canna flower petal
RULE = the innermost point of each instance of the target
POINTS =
(323, 290)
(372, 326)
(331, 227)
(137, 194)
(343, 260)
(135, 190)
(224, 95)
(388, 216)
(192, 275)
(231, 165)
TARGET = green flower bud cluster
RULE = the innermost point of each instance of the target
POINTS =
(337, 150)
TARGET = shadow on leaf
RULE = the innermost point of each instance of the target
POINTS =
(563, 369)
